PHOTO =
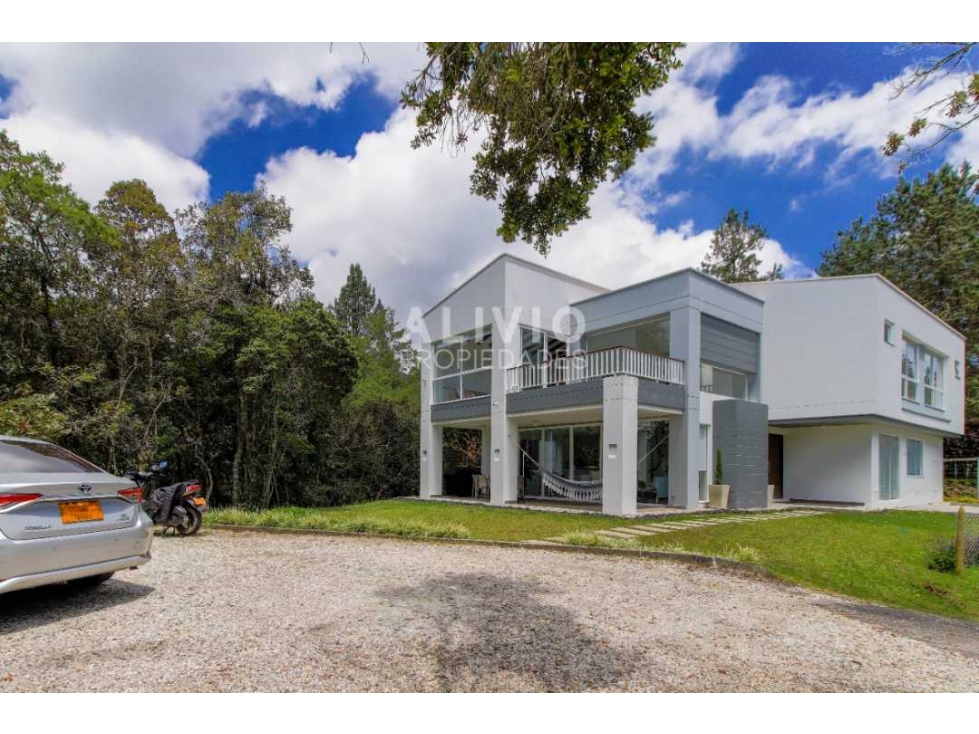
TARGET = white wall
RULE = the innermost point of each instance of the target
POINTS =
(824, 354)
(460, 313)
(827, 463)
(841, 464)
(912, 491)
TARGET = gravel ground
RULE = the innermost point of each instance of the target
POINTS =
(251, 611)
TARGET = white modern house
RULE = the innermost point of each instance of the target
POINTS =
(831, 389)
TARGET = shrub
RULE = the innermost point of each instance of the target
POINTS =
(943, 557)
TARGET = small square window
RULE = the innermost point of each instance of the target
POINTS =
(958, 370)
(915, 458)
(889, 332)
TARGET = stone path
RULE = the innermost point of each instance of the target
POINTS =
(671, 526)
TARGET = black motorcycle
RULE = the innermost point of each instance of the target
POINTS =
(179, 506)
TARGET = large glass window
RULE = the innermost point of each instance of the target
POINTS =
(723, 382)
(653, 462)
(557, 451)
(537, 347)
(649, 336)
(909, 371)
(922, 375)
(572, 452)
(916, 456)
(463, 368)
(587, 453)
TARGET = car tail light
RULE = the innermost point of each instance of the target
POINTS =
(17, 498)
(133, 494)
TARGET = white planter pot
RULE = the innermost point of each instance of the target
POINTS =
(718, 496)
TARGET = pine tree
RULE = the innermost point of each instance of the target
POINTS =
(355, 303)
(733, 255)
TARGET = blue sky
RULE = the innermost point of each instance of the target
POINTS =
(787, 131)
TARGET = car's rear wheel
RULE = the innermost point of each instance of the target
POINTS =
(89, 582)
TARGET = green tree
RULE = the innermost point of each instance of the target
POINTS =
(924, 238)
(129, 338)
(32, 415)
(558, 119)
(294, 369)
(355, 303)
(138, 276)
(375, 436)
(241, 262)
(733, 255)
(237, 247)
(46, 233)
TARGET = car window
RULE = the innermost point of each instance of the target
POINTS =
(28, 457)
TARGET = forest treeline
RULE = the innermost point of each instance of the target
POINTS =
(131, 335)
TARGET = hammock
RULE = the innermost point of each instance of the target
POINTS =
(590, 491)
(582, 491)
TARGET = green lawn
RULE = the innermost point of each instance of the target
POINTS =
(426, 519)
(877, 556)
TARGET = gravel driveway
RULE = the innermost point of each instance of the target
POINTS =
(233, 612)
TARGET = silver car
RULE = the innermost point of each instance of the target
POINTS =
(64, 519)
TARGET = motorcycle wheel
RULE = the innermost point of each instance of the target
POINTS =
(193, 522)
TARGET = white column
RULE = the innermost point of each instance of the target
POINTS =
(430, 440)
(685, 429)
(504, 463)
(431, 459)
(620, 424)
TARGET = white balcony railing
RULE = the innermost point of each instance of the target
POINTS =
(601, 363)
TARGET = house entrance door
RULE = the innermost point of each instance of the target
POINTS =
(775, 462)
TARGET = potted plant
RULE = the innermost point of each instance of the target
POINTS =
(719, 491)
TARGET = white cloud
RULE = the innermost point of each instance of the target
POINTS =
(95, 159)
(116, 111)
(774, 122)
(113, 111)
(179, 95)
(407, 217)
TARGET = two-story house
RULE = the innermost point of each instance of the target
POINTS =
(831, 389)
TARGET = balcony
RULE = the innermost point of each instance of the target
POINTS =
(589, 365)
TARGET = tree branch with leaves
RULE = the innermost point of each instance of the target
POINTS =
(948, 114)
(557, 119)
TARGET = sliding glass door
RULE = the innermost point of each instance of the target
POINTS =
(652, 470)
(889, 450)
(571, 452)
(530, 443)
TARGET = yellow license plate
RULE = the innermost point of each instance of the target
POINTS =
(200, 501)
(81, 511)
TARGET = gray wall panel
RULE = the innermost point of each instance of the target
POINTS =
(461, 410)
(741, 434)
(587, 392)
(661, 395)
(727, 345)
(590, 392)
